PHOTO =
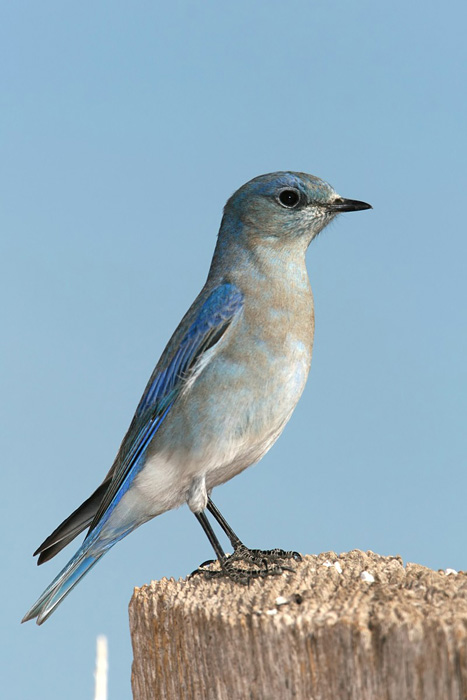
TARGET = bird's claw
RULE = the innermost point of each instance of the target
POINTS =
(263, 557)
(259, 564)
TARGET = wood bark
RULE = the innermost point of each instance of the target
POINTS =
(325, 631)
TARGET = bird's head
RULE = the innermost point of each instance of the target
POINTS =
(285, 205)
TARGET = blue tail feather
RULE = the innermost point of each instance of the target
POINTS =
(77, 567)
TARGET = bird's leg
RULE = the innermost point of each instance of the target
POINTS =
(221, 556)
(243, 552)
(234, 539)
(211, 535)
(259, 563)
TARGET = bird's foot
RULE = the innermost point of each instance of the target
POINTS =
(254, 563)
(263, 557)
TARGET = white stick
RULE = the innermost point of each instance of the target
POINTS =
(100, 674)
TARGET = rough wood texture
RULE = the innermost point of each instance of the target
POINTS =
(314, 634)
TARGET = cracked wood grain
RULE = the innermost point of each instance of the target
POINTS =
(354, 626)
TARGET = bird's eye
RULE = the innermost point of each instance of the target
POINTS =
(289, 198)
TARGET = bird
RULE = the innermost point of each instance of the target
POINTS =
(224, 387)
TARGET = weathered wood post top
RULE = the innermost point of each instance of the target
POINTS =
(355, 626)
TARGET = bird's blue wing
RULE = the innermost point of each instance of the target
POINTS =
(177, 365)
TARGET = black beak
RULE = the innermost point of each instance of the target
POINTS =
(340, 205)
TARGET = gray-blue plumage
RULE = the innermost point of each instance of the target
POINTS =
(226, 383)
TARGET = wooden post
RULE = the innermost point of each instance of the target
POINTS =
(355, 626)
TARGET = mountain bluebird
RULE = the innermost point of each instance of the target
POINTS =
(224, 388)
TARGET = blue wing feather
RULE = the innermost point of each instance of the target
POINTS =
(210, 323)
(215, 314)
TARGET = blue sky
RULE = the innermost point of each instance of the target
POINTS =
(124, 127)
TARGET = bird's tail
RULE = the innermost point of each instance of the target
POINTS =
(77, 567)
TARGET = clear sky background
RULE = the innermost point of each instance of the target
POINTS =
(124, 127)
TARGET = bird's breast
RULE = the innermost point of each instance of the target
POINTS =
(240, 401)
(260, 370)
(278, 354)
